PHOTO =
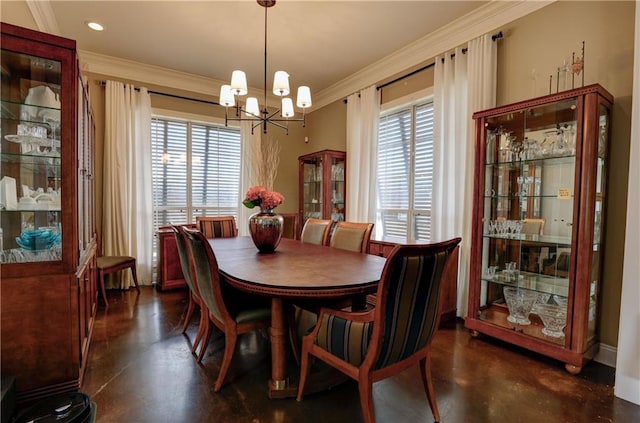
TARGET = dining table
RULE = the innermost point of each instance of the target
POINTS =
(295, 271)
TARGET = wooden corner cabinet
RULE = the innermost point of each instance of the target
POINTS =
(322, 189)
(47, 240)
(538, 220)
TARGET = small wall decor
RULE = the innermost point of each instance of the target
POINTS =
(576, 67)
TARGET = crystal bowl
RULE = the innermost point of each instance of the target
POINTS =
(554, 318)
(520, 302)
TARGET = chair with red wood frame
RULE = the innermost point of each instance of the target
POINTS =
(234, 313)
(395, 335)
(217, 226)
(195, 302)
(113, 264)
(316, 231)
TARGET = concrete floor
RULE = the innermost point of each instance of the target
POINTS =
(141, 370)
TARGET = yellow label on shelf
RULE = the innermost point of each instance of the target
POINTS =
(564, 193)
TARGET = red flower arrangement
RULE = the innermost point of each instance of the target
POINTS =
(261, 197)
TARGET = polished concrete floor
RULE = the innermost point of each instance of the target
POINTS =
(141, 370)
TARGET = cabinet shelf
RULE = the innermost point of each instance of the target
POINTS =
(537, 223)
(532, 281)
(27, 113)
(549, 161)
(496, 315)
(30, 159)
(560, 241)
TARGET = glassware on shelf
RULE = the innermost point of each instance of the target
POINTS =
(554, 318)
(520, 303)
(491, 272)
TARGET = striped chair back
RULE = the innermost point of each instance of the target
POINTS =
(408, 298)
(205, 274)
(217, 226)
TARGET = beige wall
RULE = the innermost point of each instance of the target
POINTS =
(542, 41)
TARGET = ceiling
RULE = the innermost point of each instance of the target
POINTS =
(317, 42)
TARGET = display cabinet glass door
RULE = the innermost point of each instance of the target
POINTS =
(312, 185)
(337, 189)
(31, 177)
(528, 209)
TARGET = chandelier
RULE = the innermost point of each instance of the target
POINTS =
(251, 110)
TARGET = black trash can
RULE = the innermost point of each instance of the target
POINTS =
(72, 407)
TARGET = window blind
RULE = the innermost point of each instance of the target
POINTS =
(195, 171)
(405, 173)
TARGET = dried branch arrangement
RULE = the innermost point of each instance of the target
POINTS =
(266, 160)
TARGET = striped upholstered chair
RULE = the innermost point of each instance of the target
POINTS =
(195, 302)
(396, 334)
(217, 226)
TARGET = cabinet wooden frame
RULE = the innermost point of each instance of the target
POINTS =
(584, 271)
(48, 308)
(323, 184)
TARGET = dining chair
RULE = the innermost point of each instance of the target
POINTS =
(290, 227)
(373, 345)
(351, 236)
(233, 314)
(217, 226)
(316, 231)
(532, 226)
(195, 301)
(112, 264)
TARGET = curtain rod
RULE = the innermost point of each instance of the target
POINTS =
(103, 83)
(494, 37)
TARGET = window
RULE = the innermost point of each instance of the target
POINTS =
(405, 173)
(196, 170)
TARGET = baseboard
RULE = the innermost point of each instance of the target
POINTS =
(606, 355)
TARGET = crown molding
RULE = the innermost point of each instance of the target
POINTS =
(476, 23)
(43, 16)
(110, 66)
(481, 21)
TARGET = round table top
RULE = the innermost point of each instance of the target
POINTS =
(296, 269)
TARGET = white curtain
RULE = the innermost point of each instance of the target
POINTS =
(462, 85)
(363, 113)
(250, 146)
(127, 226)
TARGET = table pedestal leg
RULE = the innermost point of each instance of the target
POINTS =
(279, 385)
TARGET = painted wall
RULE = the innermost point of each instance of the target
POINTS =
(541, 41)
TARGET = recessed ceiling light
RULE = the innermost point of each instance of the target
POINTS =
(95, 26)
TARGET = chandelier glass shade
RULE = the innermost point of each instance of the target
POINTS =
(252, 111)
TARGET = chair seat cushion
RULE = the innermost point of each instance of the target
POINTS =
(253, 315)
(106, 262)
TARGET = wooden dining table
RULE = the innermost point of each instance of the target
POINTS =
(295, 271)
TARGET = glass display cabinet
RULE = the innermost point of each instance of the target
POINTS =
(322, 177)
(47, 227)
(538, 219)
